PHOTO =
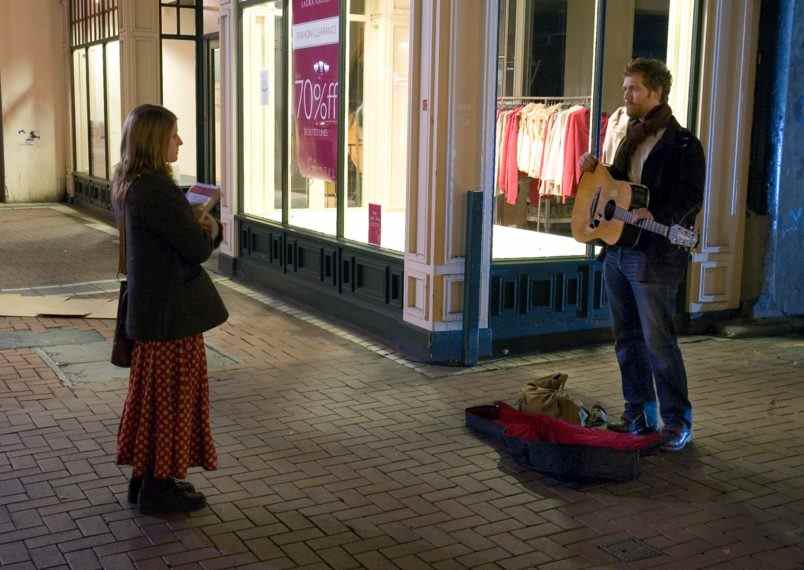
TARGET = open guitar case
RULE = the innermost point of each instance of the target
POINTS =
(560, 449)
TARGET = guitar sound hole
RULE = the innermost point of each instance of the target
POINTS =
(608, 211)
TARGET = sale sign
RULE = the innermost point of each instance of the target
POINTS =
(316, 42)
(375, 223)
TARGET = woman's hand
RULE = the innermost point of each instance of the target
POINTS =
(210, 226)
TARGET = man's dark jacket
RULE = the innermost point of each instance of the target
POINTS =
(674, 173)
(170, 296)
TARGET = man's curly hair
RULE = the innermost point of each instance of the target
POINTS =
(654, 74)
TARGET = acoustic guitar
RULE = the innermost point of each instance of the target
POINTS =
(602, 212)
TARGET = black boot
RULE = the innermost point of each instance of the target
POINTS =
(135, 483)
(163, 496)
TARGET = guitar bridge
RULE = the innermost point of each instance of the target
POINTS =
(593, 221)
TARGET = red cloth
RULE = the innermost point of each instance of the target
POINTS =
(532, 427)
(165, 421)
(509, 167)
(575, 144)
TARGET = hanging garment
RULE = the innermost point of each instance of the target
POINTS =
(615, 133)
(509, 168)
(577, 143)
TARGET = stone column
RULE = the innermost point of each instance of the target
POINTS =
(229, 144)
(451, 152)
(783, 274)
(726, 107)
(140, 53)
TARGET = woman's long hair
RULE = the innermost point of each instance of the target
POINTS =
(143, 147)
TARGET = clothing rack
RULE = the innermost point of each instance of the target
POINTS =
(572, 98)
(514, 101)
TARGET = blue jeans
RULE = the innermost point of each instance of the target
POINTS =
(645, 341)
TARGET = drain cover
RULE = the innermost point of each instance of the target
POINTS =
(631, 550)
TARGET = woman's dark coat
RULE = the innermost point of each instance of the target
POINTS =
(170, 296)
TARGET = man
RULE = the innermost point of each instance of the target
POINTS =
(642, 281)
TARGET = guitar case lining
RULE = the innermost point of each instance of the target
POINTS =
(560, 449)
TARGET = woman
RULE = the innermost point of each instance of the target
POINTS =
(171, 302)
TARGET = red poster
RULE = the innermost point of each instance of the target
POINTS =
(375, 223)
(316, 42)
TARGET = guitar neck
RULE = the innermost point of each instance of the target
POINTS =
(650, 225)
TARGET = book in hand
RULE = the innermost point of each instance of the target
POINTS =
(203, 198)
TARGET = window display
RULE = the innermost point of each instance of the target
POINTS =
(545, 87)
(97, 117)
(262, 110)
(179, 95)
(314, 102)
(377, 122)
(81, 111)
(114, 104)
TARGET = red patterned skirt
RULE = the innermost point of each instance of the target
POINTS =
(165, 422)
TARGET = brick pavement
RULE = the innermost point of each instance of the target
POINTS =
(333, 456)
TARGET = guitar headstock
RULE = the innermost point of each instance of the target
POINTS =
(682, 236)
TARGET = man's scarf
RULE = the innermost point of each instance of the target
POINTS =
(657, 119)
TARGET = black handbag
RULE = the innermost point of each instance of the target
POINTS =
(122, 345)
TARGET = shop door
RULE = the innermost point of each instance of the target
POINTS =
(211, 94)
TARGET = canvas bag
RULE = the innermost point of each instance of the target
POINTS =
(548, 396)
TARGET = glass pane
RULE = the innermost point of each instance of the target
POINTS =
(169, 21)
(217, 107)
(314, 77)
(545, 69)
(211, 16)
(97, 124)
(187, 21)
(178, 95)
(377, 124)
(262, 111)
(113, 101)
(80, 111)
(657, 29)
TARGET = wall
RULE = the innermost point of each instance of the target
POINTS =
(783, 292)
(34, 74)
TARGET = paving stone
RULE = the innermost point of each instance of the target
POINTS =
(344, 457)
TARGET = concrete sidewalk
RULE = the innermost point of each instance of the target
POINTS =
(337, 453)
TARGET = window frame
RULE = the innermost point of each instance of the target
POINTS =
(341, 181)
(92, 23)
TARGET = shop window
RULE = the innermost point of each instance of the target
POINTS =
(660, 29)
(81, 111)
(97, 112)
(377, 122)
(545, 85)
(96, 86)
(179, 95)
(314, 88)
(114, 103)
(545, 54)
(262, 110)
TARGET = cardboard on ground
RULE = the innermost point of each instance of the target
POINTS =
(13, 305)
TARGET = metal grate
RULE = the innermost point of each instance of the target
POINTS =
(631, 550)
